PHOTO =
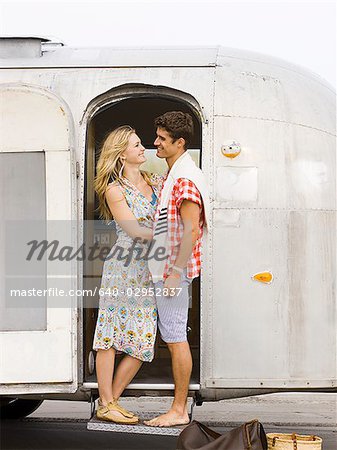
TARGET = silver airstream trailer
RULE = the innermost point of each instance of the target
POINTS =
(263, 315)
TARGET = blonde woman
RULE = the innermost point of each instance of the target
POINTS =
(127, 317)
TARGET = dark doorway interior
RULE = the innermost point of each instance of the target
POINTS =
(140, 113)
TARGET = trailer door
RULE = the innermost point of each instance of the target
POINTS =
(37, 199)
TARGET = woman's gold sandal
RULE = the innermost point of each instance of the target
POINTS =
(117, 407)
(106, 412)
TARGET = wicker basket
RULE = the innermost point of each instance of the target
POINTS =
(282, 441)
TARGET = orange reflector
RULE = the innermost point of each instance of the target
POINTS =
(230, 154)
(231, 149)
(263, 277)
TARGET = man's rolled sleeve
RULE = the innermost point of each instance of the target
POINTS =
(185, 189)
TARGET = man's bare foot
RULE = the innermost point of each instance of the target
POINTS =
(170, 419)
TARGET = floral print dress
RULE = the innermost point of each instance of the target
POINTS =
(127, 316)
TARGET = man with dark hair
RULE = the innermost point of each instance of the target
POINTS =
(180, 220)
(178, 125)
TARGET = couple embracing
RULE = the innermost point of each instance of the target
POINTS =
(169, 213)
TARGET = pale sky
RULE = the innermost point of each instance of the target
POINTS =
(300, 32)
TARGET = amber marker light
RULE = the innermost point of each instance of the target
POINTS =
(231, 149)
(263, 277)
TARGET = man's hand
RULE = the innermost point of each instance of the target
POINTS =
(171, 283)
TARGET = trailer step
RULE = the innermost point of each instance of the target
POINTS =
(95, 424)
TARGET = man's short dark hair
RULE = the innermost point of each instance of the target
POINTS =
(178, 124)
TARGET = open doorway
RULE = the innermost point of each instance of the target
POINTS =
(139, 112)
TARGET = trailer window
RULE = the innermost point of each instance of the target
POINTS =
(22, 201)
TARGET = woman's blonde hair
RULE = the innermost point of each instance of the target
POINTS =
(110, 166)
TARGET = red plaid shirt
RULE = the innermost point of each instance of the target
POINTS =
(183, 189)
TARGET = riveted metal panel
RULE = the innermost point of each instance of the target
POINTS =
(272, 335)
(118, 57)
(31, 120)
(246, 88)
(294, 167)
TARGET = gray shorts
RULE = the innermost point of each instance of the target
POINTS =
(173, 312)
